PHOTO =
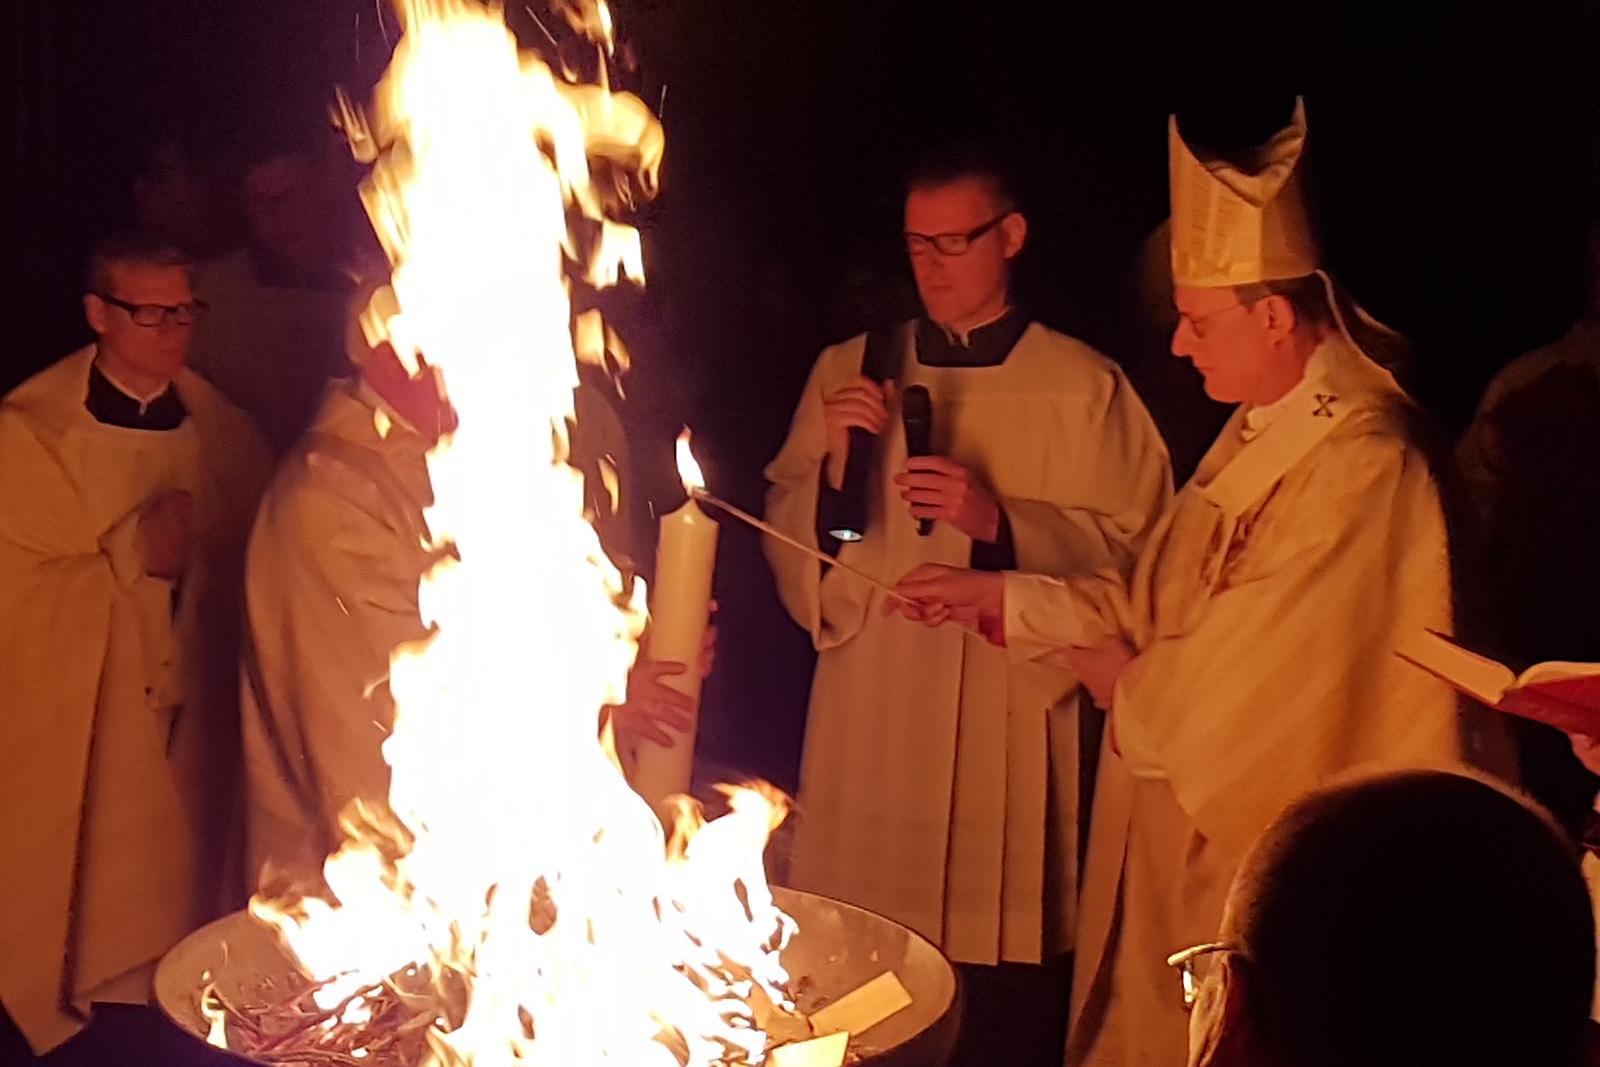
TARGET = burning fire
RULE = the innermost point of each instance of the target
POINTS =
(516, 881)
(688, 467)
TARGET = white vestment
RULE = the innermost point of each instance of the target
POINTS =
(939, 784)
(338, 550)
(1263, 613)
(118, 745)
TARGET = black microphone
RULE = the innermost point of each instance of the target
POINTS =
(916, 411)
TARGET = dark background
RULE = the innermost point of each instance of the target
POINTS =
(1454, 165)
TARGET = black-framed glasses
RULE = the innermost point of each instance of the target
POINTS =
(153, 316)
(951, 244)
(1195, 965)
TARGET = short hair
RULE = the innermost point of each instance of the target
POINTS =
(962, 160)
(1306, 295)
(1417, 917)
(130, 248)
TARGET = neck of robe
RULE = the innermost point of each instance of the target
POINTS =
(115, 402)
(986, 345)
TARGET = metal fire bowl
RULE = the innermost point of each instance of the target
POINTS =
(839, 948)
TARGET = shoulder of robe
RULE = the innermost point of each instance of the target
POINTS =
(1065, 365)
(43, 406)
(331, 479)
(840, 362)
(57, 386)
(1376, 446)
(314, 497)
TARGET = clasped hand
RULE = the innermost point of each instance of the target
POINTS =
(654, 710)
(938, 594)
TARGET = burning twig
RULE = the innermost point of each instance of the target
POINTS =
(393, 1031)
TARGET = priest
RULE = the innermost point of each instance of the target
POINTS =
(939, 783)
(126, 490)
(340, 547)
(1250, 656)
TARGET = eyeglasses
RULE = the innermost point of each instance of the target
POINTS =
(1195, 965)
(152, 316)
(950, 244)
(1194, 321)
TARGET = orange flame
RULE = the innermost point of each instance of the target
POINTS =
(514, 859)
(689, 467)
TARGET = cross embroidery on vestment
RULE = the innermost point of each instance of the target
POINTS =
(1324, 406)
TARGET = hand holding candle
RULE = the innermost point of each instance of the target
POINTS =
(680, 610)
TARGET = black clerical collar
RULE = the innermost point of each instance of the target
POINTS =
(114, 407)
(984, 346)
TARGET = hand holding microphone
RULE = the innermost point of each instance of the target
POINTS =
(934, 487)
(916, 413)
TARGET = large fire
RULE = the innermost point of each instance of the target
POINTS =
(516, 875)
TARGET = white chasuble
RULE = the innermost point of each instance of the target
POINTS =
(1263, 612)
(119, 741)
(338, 551)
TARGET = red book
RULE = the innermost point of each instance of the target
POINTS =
(1563, 695)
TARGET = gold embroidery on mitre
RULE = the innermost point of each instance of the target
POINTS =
(1240, 222)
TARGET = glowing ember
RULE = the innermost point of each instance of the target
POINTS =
(517, 899)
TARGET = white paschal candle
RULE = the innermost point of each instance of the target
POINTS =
(680, 609)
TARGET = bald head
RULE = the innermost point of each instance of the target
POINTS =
(1420, 917)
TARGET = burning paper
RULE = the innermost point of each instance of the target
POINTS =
(515, 902)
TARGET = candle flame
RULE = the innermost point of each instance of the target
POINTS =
(689, 467)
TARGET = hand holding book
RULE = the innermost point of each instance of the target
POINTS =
(1563, 695)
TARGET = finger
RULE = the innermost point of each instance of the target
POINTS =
(869, 421)
(963, 612)
(667, 698)
(853, 408)
(873, 424)
(865, 394)
(930, 511)
(939, 482)
(882, 390)
(664, 668)
(648, 730)
(655, 696)
(931, 497)
(669, 718)
(896, 606)
(924, 587)
(936, 465)
(712, 608)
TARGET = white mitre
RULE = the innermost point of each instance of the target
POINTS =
(1240, 221)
